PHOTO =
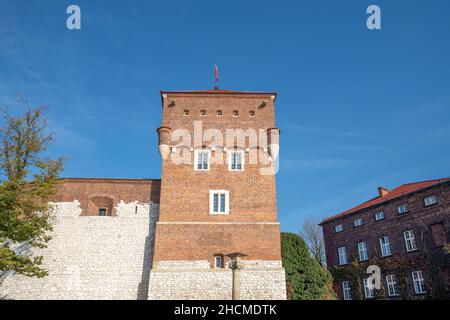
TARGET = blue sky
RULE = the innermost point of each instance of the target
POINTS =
(357, 108)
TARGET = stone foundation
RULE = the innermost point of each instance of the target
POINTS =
(194, 280)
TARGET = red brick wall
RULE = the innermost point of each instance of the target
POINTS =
(95, 193)
(185, 192)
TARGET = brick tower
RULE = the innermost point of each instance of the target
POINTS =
(217, 236)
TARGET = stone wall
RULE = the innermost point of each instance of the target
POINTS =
(192, 280)
(92, 257)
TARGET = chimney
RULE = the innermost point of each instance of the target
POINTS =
(382, 191)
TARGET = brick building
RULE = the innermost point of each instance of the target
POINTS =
(405, 231)
(207, 230)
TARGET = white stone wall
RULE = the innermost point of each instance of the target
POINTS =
(192, 280)
(92, 257)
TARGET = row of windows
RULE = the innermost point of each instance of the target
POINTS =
(202, 161)
(219, 113)
(391, 286)
(402, 209)
(385, 246)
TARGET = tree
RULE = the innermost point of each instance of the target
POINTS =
(312, 234)
(27, 181)
(306, 278)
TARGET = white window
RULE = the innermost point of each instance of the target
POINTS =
(391, 282)
(358, 222)
(236, 160)
(338, 228)
(218, 262)
(342, 255)
(368, 288)
(402, 209)
(202, 160)
(346, 290)
(362, 250)
(410, 241)
(219, 202)
(430, 200)
(419, 283)
(385, 245)
(379, 215)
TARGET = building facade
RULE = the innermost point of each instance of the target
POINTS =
(404, 232)
(207, 229)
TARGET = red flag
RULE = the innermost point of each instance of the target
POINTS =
(216, 72)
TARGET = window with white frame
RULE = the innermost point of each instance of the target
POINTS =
(402, 209)
(379, 215)
(391, 283)
(218, 262)
(362, 251)
(202, 160)
(219, 202)
(430, 201)
(358, 222)
(338, 228)
(236, 160)
(342, 255)
(346, 290)
(410, 241)
(385, 245)
(368, 288)
(419, 283)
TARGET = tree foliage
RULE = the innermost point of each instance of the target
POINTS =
(306, 278)
(27, 181)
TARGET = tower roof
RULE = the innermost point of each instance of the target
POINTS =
(218, 91)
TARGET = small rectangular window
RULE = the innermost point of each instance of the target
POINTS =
(219, 202)
(202, 159)
(218, 113)
(235, 113)
(342, 255)
(402, 209)
(419, 283)
(362, 251)
(346, 290)
(379, 216)
(385, 245)
(251, 113)
(338, 228)
(430, 201)
(102, 212)
(236, 161)
(368, 288)
(410, 241)
(218, 262)
(186, 113)
(202, 113)
(358, 222)
(391, 282)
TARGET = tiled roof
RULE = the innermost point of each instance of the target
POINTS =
(391, 194)
(218, 91)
